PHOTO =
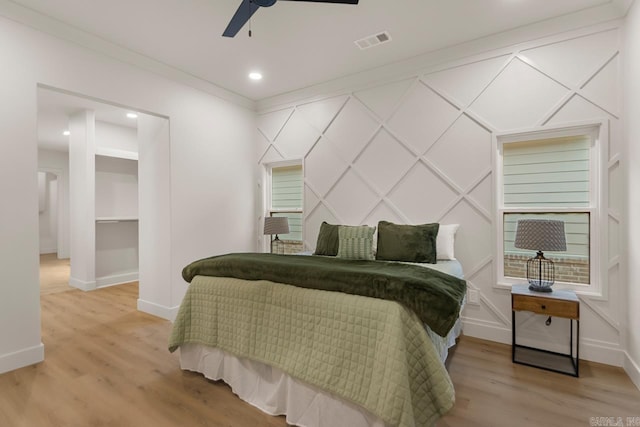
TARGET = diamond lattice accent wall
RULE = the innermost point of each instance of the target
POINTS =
(419, 149)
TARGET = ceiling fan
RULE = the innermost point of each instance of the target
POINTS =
(248, 7)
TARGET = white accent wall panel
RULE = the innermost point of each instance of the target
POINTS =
(419, 149)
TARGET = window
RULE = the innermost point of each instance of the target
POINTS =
(286, 188)
(551, 174)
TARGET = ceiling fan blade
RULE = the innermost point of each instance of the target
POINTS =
(329, 1)
(242, 15)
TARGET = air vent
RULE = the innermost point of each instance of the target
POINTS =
(374, 40)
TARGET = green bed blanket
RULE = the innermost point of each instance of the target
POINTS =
(372, 352)
(434, 296)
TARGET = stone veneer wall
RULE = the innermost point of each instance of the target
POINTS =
(288, 247)
(566, 270)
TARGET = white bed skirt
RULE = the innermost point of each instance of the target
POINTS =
(274, 392)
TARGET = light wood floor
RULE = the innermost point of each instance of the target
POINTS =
(54, 274)
(107, 365)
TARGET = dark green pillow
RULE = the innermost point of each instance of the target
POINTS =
(409, 243)
(328, 240)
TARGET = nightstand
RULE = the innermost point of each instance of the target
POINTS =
(559, 303)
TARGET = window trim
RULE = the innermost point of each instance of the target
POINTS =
(267, 179)
(598, 205)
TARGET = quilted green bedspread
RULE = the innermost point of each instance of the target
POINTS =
(434, 296)
(369, 351)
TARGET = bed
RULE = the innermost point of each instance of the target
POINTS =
(323, 355)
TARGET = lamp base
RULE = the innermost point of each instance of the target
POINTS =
(540, 273)
(537, 288)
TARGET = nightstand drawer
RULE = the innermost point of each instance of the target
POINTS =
(551, 307)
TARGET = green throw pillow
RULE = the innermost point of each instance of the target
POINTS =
(356, 242)
(409, 243)
(327, 243)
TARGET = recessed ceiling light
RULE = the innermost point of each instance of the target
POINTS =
(132, 115)
(255, 75)
(66, 133)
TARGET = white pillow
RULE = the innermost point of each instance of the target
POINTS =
(445, 241)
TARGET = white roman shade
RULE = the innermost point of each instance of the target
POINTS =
(286, 197)
(549, 173)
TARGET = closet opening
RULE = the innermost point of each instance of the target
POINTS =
(54, 262)
(99, 191)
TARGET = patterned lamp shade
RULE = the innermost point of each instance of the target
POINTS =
(541, 235)
(276, 225)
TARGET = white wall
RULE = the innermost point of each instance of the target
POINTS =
(116, 252)
(417, 148)
(109, 135)
(48, 213)
(57, 162)
(116, 187)
(210, 142)
(82, 205)
(632, 134)
(155, 222)
(116, 195)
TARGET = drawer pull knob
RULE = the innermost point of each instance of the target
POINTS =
(544, 307)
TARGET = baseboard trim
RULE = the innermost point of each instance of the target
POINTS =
(486, 331)
(116, 279)
(632, 369)
(81, 284)
(168, 313)
(45, 251)
(22, 358)
(589, 350)
(595, 352)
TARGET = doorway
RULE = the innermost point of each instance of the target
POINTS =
(88, 155)
(54, 266)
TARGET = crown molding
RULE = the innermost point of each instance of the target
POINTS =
(622, 6)
(46, 24)
(591, 17)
